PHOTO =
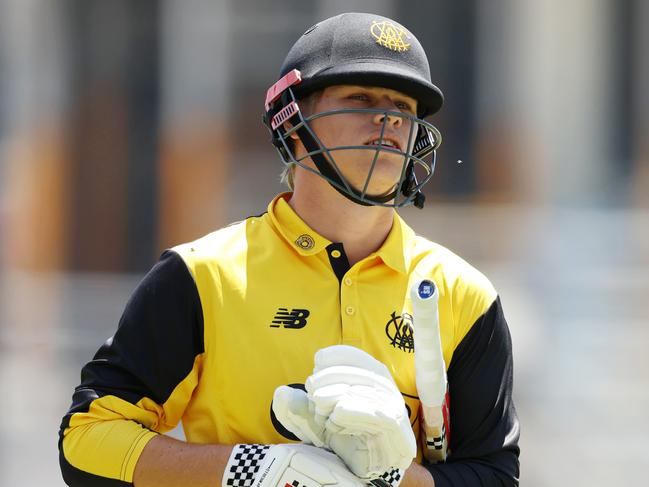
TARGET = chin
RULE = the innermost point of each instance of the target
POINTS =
(377, 188)
(385, 176)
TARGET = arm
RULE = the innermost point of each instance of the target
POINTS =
(417, 476)
(170, 463)
(484, 427)
(139, 382)
(167, 462)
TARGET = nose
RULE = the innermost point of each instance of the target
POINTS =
(393, 120)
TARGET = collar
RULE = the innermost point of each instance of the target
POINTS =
(396, 252)
(297, 234)
(399, 246)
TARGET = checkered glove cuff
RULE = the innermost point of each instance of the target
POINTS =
(436, 442)
(391, 478)
(243, 465)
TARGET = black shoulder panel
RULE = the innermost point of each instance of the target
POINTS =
(484, 426)
(158, 338)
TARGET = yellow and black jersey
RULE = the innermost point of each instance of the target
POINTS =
(219, 323)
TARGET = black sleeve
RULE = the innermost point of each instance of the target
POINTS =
(484, 427)
(159, 335)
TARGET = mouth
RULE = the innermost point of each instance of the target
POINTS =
(386, 142)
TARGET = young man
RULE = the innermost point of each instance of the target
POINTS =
(222, 326)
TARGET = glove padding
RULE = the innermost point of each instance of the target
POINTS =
(353, 407)
(293, 409)
(281, 465)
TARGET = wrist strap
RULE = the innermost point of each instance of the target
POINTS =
(388, 479)
(243, 465)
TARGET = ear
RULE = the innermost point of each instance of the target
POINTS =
(287, 126)
(294, 136)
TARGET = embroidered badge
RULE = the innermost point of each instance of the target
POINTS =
(389, 35)
(305, 242)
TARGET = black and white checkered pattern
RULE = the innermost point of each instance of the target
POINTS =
(243, 464)
(437, 442)
(390, 478)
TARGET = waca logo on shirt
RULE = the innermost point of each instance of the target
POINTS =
(399, 330)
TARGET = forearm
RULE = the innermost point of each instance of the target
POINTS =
(167, 462)
(417, 476)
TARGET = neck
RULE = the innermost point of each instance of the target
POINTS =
(361, 229)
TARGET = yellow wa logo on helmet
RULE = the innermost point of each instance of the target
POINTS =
(389, 35)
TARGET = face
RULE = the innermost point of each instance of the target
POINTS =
(363, 129)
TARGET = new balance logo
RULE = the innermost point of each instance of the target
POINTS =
(295, 318)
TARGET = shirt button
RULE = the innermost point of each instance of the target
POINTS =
(350, 310)
(335, 254)
(348, 281)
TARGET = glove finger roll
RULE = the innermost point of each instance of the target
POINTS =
(291, 408)
(346, 355)
(344, 374)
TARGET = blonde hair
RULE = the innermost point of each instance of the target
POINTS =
(287, 175)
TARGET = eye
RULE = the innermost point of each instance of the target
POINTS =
(359, 97)
(405, 106)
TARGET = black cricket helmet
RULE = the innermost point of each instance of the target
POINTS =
(357, 49)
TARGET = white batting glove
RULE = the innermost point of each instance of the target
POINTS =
(286, 465)
(293, 409)
(365, 417)
(353, 407)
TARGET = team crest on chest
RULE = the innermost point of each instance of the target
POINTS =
(399, 330)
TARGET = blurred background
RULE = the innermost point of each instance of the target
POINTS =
(127, 127)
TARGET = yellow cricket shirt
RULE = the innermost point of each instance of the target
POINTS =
(219, 323)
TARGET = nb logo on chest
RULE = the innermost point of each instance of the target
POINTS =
(293, 319)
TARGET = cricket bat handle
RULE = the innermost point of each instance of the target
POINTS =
(430, 369)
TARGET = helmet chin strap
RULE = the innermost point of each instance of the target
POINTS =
(327, 170)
